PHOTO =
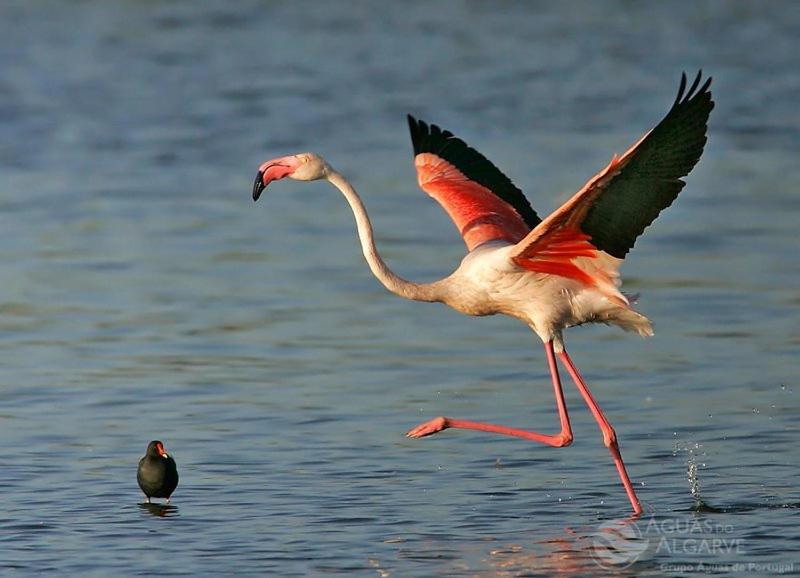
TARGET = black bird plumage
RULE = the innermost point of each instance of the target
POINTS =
(157, 474)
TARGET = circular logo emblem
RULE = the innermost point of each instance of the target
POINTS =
(618, 544)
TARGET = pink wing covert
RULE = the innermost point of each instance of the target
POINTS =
(479, 215)
(482, 202)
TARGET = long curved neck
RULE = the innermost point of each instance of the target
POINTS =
(394, 283)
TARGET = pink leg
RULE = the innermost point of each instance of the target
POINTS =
(609, 436)
(564, 438)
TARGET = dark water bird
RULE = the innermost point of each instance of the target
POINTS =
(551, 273)
(157, 474)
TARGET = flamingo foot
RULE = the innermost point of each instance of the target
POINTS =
(431, 427)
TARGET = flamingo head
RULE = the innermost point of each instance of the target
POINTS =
(300, 167)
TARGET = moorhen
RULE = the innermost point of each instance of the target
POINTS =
(157, 474)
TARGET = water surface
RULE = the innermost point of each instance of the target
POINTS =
(145, 296)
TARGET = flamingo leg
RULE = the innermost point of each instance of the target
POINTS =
(609, 436)
(563, 438)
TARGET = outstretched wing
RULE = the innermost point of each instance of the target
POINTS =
(617, 204)
(483, 203)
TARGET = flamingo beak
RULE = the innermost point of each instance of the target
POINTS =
(272, 171)
(259, 185)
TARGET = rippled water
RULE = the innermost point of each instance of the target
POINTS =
(145, 296)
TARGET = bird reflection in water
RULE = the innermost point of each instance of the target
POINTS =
(159, 510)
(583, 551)
(577, 552)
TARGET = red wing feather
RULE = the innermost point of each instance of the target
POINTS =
(477, 212)
(484, 204)
(566, 220)
(554, 255)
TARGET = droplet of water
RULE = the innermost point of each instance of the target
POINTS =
(693, 451)
(755, 410)
(694, 482)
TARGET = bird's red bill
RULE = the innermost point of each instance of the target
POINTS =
(278, 169)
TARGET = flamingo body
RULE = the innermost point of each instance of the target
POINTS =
(551, 273)
(488, 282)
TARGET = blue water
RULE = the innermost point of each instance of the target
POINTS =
(144, 296)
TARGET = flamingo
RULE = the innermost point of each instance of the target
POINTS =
(551, 273)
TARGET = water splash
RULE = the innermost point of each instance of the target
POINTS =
(694, 482)
(694, 452)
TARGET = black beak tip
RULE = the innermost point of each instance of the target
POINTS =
(258, 185)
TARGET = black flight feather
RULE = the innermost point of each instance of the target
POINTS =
(476, 167)
(651, 180)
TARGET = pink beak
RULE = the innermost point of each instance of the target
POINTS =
(272, 171)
